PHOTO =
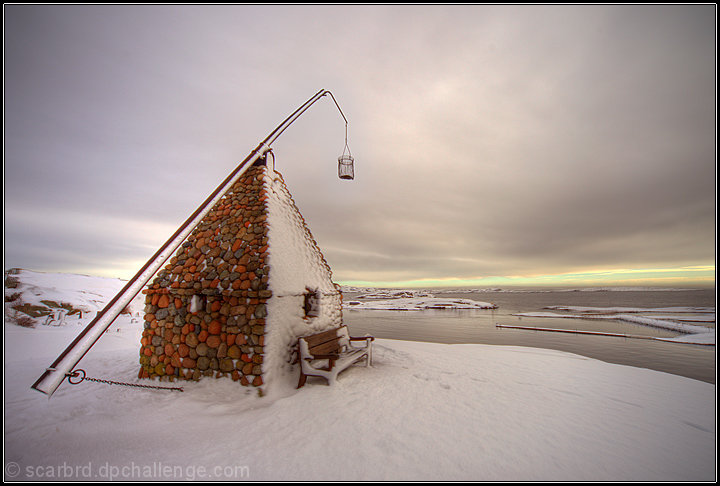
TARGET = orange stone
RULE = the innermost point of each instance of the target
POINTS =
(236, 246)
(213, 341)
(183, 350)
(188, 363)
(163, 301)
(258, 381)
(215, 306)
(202, 336)
(169, 349)
(214, 327)
(178, 303)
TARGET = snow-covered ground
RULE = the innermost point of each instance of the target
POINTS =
(423, 411)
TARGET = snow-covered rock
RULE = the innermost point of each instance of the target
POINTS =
(418, 304)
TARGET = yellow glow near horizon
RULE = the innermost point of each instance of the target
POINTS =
(694, 275)
(688, 276)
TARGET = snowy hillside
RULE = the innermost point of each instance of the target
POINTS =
(37, 295)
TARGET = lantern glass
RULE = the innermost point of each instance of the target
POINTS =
(346, 169)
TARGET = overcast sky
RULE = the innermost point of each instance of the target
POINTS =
(493, 145)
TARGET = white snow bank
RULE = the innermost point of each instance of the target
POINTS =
(607, 310)
(423, 412)
(418, 304)
(691, 334)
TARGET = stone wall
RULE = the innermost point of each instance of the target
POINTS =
(205, 310)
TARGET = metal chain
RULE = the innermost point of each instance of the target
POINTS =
(76, 374)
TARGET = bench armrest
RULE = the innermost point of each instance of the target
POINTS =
(367, 340)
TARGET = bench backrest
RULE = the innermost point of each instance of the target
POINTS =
(326, 342)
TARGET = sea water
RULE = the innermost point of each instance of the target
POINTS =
(479, 326)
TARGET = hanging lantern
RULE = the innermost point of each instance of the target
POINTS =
(346, 169)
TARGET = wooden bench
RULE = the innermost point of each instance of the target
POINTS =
(328, 353)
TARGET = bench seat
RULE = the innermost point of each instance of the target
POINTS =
(328, 353)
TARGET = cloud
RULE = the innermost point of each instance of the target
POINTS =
(489, 140)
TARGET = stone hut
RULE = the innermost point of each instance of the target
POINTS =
(245, 284)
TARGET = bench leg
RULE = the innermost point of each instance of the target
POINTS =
(303, 378)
